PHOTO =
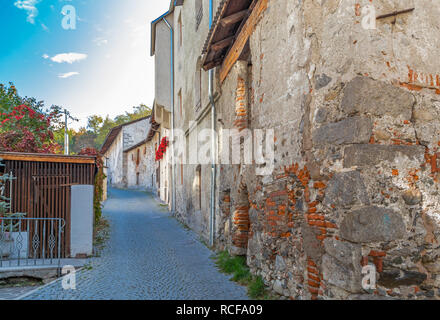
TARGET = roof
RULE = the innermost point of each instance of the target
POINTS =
(145, 141)
(173, 4)
(153, 129)
(44, 157)
(114, 132)
(230, 17)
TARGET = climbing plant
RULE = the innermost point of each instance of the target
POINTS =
(99, 181)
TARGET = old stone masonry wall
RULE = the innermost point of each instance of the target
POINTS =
(357, 135)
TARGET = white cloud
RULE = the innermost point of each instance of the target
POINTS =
(30, 7)
(100, 41)
(45, 56)
(68, 75)
(69, 57)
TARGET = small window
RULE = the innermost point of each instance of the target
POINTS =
(199, 13)
(181, 173)
(138, 159)
(179, 21)
(179, 95)
(198, 86)
(199, 182)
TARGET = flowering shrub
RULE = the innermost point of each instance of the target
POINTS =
(162, 149)
(27, 130)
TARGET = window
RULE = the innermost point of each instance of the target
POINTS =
(137, 178)
(199, 184)
(138, 159)
(199, 13)
(181, 173)
(179, 21)
(179, 95)
(198, 85)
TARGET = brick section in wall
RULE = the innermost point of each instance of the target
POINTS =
(241, 114)
(242, 224)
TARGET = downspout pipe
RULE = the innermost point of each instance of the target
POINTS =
(213, 144)
(173, 180)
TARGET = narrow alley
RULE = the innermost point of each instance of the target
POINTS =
(149, 255)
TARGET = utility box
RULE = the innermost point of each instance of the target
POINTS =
(81, 221)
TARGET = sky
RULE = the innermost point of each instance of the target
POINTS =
(98, 63)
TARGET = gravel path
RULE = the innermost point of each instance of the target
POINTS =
(149, 256)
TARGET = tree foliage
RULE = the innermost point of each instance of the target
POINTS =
(25, 124)
(98, 127)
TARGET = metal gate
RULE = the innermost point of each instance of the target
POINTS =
(30, 241)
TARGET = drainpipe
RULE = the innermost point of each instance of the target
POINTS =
(213, 153)
(173, 180)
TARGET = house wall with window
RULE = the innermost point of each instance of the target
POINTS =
(141, 166)
(192, 115)
(119, 140)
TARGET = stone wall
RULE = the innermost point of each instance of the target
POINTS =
(356, 142)
(356, 136)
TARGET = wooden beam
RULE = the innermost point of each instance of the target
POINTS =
(395, 13)
(47, 158)
(239, 44)
(219, 45)
(213, 64)
(233, 18)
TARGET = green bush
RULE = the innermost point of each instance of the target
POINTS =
(256, 288)
(236, 266)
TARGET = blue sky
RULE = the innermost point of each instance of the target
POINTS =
(102, 67)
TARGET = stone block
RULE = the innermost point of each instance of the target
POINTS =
(372, 224)
(374, 154)
(347, 131)
(365, 95)
(395, 278)
(341, 264)
(312, 246)
(346, 189)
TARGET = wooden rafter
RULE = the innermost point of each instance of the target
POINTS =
(233, 18)
(242, 38)
(222, 44)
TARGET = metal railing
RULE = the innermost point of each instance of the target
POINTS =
(30, 241)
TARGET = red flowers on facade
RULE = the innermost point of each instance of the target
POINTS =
(162, 149)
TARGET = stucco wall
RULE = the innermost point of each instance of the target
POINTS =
(114, 157)
(163, 63)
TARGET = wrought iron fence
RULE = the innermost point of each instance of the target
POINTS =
(31, 241)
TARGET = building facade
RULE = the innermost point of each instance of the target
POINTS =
(117, 152)
(326, 140)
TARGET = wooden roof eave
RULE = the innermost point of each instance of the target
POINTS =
(221, 21)
(41, 157)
